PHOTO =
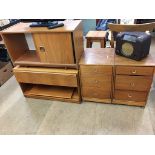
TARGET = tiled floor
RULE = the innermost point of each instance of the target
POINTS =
(19, 115)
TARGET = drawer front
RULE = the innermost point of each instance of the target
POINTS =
(91, 70)
(130, 95)
(97, 82)
(91, 92)
(138, 83)
(60, 79)
(125, 70)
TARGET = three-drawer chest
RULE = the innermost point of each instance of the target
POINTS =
(109, 78)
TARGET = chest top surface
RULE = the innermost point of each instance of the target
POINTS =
(107, 56)
(69, 26)
(98, 56)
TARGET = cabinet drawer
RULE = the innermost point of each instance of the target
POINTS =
(91, 70)
(125, 70)
(99, 93)
(46, 76)
(130, 95)
(97, 82)
(138, 83)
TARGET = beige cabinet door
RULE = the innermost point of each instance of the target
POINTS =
(54, 48)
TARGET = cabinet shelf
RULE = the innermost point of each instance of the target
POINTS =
(52, 92)
(28, 57)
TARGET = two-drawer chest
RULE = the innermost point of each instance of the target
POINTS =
(109, 78)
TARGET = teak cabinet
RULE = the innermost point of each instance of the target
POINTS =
(96, 70)
(60, 47)
(108, 78)
(132, 84)
(51, 70)
(49, 83)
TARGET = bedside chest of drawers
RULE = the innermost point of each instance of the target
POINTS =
(96, 70)
(132, 84)
(109, 78)
(132, 80)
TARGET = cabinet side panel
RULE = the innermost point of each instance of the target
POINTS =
(78, 42)
(16, 45)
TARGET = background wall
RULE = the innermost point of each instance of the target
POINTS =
(88, 24)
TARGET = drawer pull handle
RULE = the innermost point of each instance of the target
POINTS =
(129, 96)
(96, 81)
(42, 48)
(134, 72)
(95, 70)
(132, 84)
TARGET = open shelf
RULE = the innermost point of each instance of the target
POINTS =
(69, 94)
(29, 57)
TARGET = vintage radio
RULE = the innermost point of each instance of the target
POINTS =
(133, 45)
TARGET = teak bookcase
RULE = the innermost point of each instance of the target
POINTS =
(50, 71)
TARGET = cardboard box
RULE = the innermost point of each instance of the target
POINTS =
(5, 71)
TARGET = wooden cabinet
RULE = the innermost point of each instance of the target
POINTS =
(96, 77)
(133, 79)
(109, 78)
(49, 83)
(51, 70)
(132, 84)
(60, 47)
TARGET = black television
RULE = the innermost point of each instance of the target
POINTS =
(42, 22)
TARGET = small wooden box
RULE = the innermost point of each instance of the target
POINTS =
(5, 72)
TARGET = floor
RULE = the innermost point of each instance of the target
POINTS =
(20, 115)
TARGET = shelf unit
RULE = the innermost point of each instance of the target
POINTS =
(51, 70)
(60, 47)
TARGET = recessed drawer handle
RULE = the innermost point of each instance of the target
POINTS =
(129, 96)
(95, 70)
(42, 49)
(96, 81)
(132, 84)
(134, 72)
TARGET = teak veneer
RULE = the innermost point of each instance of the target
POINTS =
(109, 78)
(60, 47)
(51, 70)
